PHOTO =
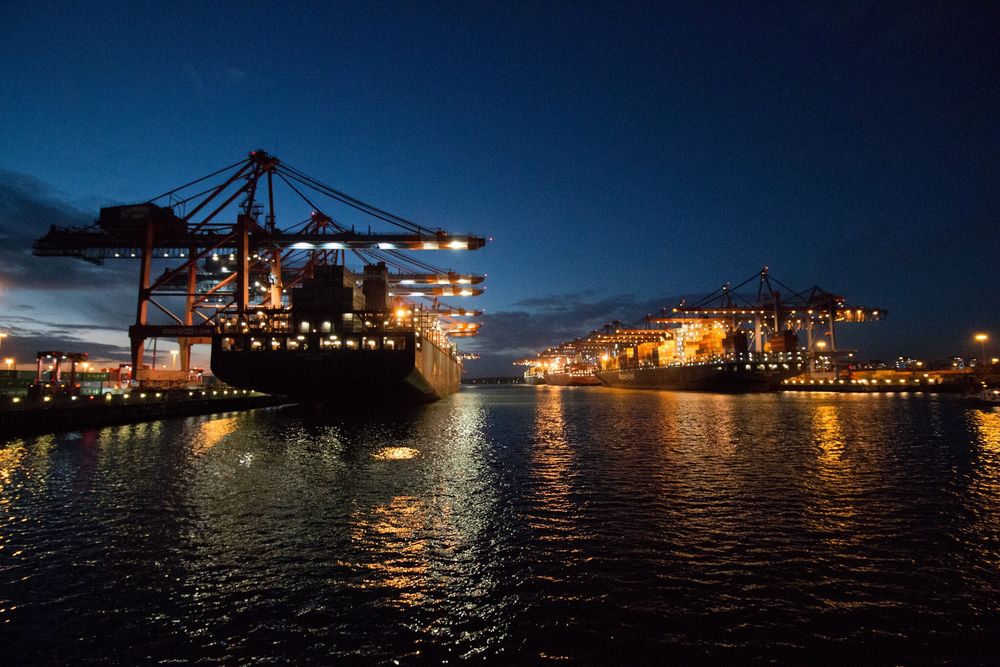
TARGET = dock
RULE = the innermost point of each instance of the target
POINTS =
(50, 414)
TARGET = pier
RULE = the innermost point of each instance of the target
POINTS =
(51, 414)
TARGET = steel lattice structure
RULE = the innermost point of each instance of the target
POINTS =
(227, 259)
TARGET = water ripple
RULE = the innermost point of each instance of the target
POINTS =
(513, 525)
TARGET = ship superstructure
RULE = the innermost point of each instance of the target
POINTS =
(315, 310)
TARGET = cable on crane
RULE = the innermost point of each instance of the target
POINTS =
(197, 180)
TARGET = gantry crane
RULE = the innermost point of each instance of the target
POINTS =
(766, 318)
(772, 319)
(226, 260)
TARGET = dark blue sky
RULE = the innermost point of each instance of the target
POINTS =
(620, 155)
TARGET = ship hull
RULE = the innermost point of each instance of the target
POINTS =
(717, 377)
(329, 378)
(569, 380)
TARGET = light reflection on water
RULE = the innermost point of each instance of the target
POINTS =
(513, 524)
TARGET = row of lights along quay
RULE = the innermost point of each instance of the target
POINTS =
(955, 374)
(49, 406)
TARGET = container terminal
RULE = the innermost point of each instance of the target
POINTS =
(314, 311)
(730, 341)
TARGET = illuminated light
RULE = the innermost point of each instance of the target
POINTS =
(15, 400)
(430, 245)
(302, 245)
(158, 394)
(117, 255)
(333, 245)
(406, 282)
(396, 454)
(465, 292)
(107, 397)
(142, 396)
(47, 399)
(386, 246)
(459, 245)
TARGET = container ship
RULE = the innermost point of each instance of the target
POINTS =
(562, 367)
(692, 357)
(341, 344)
(724, 342)
(534, 375)
(577, 374)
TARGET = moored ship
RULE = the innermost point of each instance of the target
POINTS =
(342, 345)
(724, 342)
(723, 375)
(561, 367)
(699, 355)
(534, 375)
(572, 375)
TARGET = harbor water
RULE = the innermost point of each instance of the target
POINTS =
(513, 525)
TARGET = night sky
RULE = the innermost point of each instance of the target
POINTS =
(620, 155)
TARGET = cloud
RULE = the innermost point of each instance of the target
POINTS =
(33, 324)
(555, 302)
(23, 348)
(56, 303)
(27, 208)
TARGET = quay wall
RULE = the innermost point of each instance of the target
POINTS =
(22, 416)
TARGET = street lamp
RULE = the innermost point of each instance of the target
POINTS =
(982, 338)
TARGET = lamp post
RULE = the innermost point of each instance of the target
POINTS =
(982, 338)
